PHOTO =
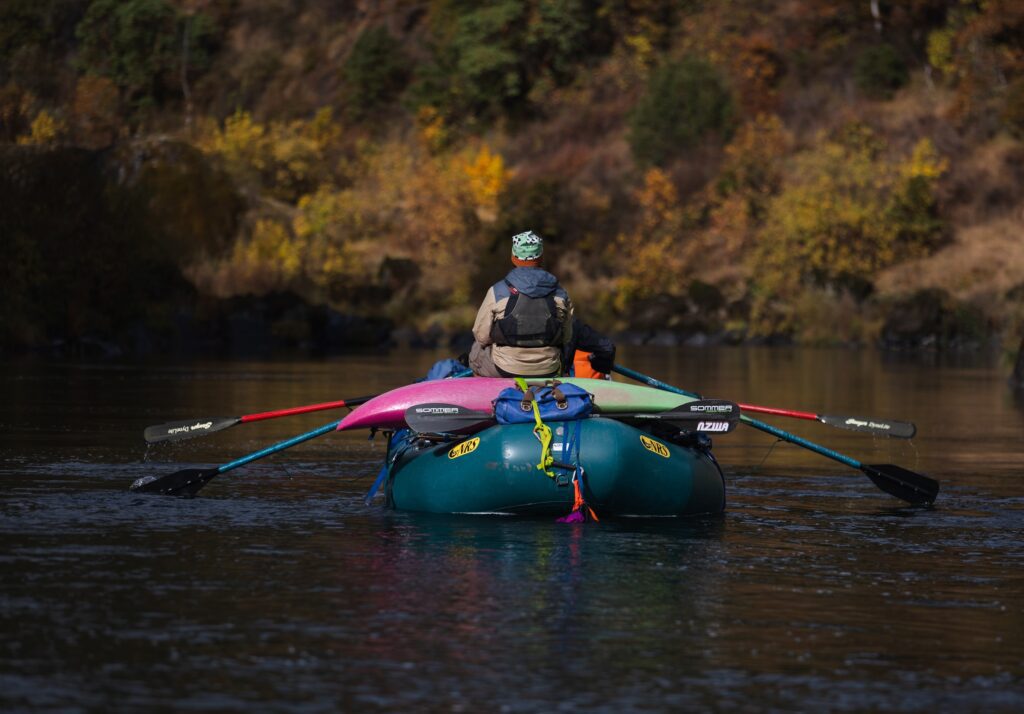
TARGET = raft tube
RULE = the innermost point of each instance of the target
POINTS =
(626, 472)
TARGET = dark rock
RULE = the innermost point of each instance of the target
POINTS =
(631, 337)
(1017, 377)
(706, 298)
(931, 319)
(664, 338)
(433, 336)
(406, 337)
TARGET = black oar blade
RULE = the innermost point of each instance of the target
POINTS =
(446, 419)
(711, 416)
(178, 430)
(877, 427)
(902, 483)
(185, 483)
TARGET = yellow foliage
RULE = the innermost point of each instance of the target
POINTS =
(408, 204)
(846, 213)
(486, 178)
(242, 144)
(328, 224)
(272, 249)
(924, 162)
(940, 50)
(413, 203)
(433, 132)
(45, 130)
(653, 261)
(285, 158)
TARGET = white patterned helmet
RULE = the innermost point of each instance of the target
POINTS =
(527, 246)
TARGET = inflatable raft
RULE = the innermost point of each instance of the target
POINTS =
(622, 471)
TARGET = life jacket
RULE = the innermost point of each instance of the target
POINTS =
(528, 321)
(582, 368)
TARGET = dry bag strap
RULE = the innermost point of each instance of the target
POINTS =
(541, 430)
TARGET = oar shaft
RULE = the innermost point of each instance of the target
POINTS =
(902, 483)
(793, 438)
(875, 427)
(280, 446)
(305, 409)
(779, 412)
(651, 381)
(767, 428)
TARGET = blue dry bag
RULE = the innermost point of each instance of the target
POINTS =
(556, 401)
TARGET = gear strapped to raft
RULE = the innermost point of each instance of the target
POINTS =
(553, 400)
(528, 321)
(565, 404)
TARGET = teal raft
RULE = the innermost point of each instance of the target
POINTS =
(622, 471)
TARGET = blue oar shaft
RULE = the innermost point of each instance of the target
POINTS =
(793, 438)
(767, 428)
(652, 382)
(281, 446)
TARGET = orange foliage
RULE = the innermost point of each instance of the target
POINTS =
(653, 256)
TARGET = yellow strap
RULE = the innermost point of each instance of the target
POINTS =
(543, 433)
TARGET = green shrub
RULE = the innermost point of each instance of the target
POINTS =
(21, 23)
(880, 71)
(375, 72)
(487, 57)
(133, 42)
(143, 45)
(684, 102)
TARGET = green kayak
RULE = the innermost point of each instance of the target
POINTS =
(624, 472)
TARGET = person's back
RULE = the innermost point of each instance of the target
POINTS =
(525, 319)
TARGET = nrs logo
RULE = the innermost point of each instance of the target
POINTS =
(655, 447)
(466, 447)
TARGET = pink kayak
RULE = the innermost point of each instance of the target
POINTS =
(387, 411)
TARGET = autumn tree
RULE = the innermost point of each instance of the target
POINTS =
(684, 102)
(846, 212)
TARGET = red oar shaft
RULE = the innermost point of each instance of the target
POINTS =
(305, 409)
(779, 412)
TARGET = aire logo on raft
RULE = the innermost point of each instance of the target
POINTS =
(655, 447)
(466, 447)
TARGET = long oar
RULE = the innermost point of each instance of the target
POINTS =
(188, 481)
(868, 425)
(708, 415)
(895, 480)
(190, 428)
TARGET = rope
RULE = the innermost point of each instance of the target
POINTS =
(543, 433)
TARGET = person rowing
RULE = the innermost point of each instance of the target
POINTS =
(525, 321)
(589, 354)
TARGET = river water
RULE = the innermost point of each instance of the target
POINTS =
(279, 590)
